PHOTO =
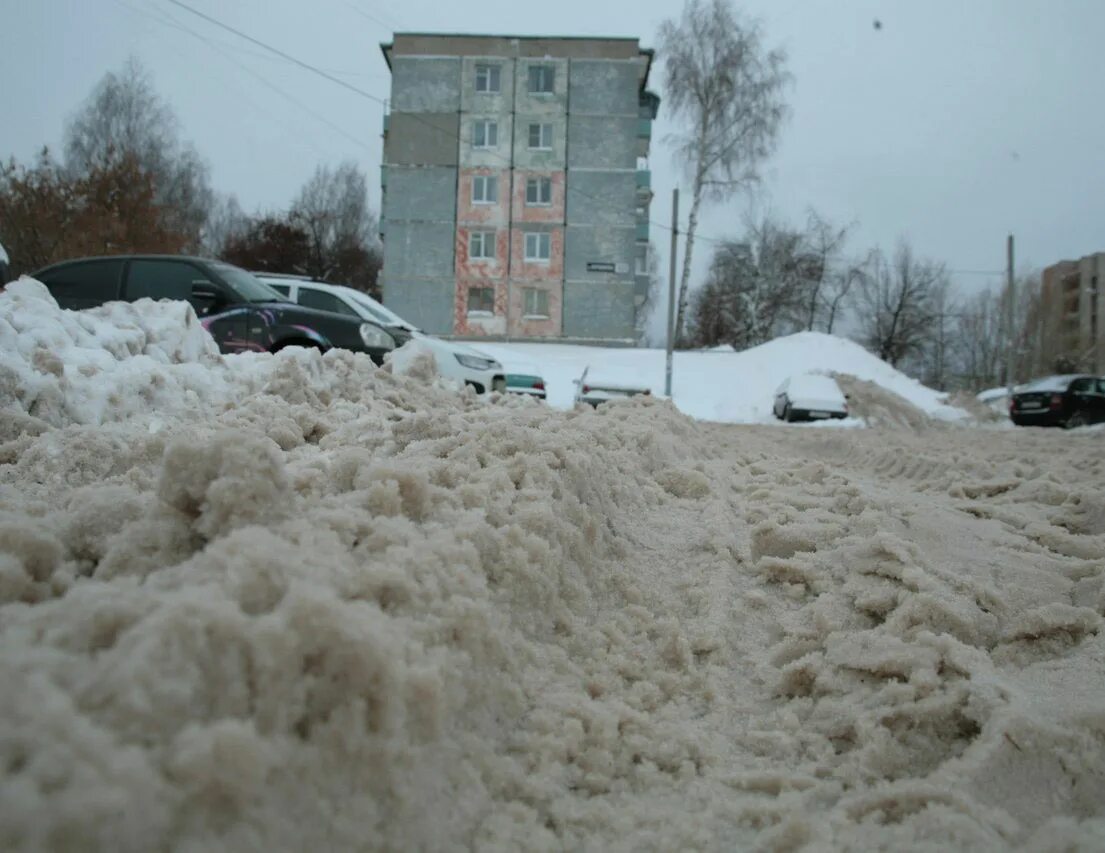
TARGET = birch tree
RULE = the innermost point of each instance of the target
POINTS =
(726, 88)
(897, 304)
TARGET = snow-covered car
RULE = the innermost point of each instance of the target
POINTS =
(595, 392)
(810, 397)
(454, 361)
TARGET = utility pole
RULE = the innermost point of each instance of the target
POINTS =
(671, 289)
(1010, 316)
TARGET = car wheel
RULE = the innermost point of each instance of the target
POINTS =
(1078, 419)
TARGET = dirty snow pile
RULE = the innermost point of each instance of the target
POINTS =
(345, 609)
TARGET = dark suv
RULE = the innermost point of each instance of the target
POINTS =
(240, 312)
(1067, 401)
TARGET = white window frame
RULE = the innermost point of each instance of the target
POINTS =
(539, 183)
(489, 129)
(543, 129)
(547, 71)
(486, 240)
(536, 314)
(493, 73)
(487, 182)
(538, 240)
(641, 265)
(479, 312)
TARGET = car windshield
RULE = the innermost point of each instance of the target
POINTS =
(248, 287)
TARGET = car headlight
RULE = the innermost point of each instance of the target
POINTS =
(376, 338)
(474, 362)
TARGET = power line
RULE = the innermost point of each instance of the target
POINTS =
(167, 20)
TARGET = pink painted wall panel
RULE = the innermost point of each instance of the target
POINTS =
(554, 212)
(552, 270)
(473, 213)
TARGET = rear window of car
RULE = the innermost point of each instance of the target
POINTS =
(84, 285)
(1048, 383)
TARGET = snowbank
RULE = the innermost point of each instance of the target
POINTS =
(346, 609)
(721, 385)
(109, 363)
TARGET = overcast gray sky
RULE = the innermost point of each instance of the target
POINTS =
(957, 122)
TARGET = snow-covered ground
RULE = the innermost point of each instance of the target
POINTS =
(717, 385)
(297, 602)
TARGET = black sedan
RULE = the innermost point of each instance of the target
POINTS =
(1067, 401)
(241, 312)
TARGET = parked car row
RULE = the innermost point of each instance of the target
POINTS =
(266, 312)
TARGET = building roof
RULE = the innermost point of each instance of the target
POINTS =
(618, 44)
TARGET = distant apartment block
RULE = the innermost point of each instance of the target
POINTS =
(1072, 313)
(516, 188)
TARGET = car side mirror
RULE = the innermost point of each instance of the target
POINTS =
(206, 298)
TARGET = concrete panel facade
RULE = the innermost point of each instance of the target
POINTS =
(602, 198)
(421, 84)
(585, 245)
(602, 142)
(428, 303)
(599, 310)
(426, 193)
(418, 250)
(422, 139)
(501, 102)
(603, 88)
(541, 103)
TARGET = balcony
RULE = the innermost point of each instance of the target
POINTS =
(644, 180)
(642, 231)
(386, 123)
(644, 128)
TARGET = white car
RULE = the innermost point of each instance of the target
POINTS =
(810, 397)
(454, 361)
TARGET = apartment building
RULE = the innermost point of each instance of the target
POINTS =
(516, 188)
(1072, 313)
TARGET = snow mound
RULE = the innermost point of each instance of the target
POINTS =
(722, 385)
(333, 607)
(108, 363)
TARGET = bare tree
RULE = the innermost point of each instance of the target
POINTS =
(895, 304)
(332, 208)
(754, 289)
(226, 223)
(837, 289)
(728, 90)
(822, 241)
(980, 340)
(125, 118)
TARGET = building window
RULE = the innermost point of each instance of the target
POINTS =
(481, 301)
(642, 265)
(481, 245)
(485, 189)
(541, 79)
(536, 303)
(537, 247)
(540, 137)
(538, 192)
(485, 134)
(487, 78)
